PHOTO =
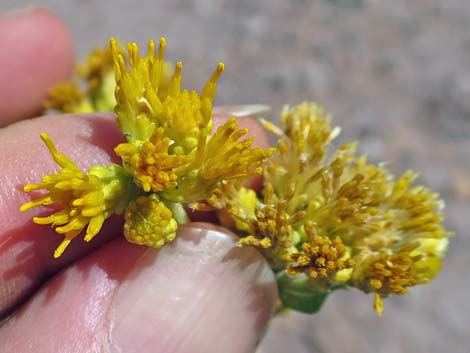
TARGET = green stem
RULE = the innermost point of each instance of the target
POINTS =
(179, 213)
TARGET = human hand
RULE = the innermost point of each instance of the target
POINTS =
(200, 293)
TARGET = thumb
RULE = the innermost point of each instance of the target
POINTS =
(202, 295)
(199, 294)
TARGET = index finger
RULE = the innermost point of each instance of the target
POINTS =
(36, 53)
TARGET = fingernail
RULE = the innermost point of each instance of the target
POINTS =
(22, 11)
(201, 293)
(240, 111)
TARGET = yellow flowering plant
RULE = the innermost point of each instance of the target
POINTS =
(329, 220)
(325, 220)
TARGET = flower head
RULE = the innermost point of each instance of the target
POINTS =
(153, 168)
(324, 220)
(337, 219)
(98, 65)
(139, 106)
(149, 222)
(92, 87)
(217, 158)
(68, 97)
(318, 256)
(270, 224)
(170, 148)
(171, 155)
(86, 200)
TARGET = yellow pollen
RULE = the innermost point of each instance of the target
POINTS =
(150, 163)
(318, 257)
(393, 273)
(253, 241)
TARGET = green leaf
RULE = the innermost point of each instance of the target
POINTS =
(304, 301)
(298, 293)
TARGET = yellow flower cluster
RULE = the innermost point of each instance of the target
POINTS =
(92, 87)
(96, 69)
(68, 97)
(169, 146)
(149, 162)
(335, 218)
(86, 199)
(170, 157)
(324, 219)
(319, 256)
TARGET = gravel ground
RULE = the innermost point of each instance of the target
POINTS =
(394, 74)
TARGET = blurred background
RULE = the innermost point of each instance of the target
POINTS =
(394, 74)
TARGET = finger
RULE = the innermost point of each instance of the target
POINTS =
(36, 53)
(26, 248)
(199, 294)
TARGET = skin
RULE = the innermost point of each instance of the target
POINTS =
(200, 293)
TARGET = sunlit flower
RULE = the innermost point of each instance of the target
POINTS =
(217, 158)
(96, 68)
(92, 87)
(149, 162)
(318, 256)
(170, 148)
(85, 200)
(139, 108)
(270, 224)
(332, 215)
(324, 219)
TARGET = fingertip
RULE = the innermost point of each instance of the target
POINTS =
(37, 52)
